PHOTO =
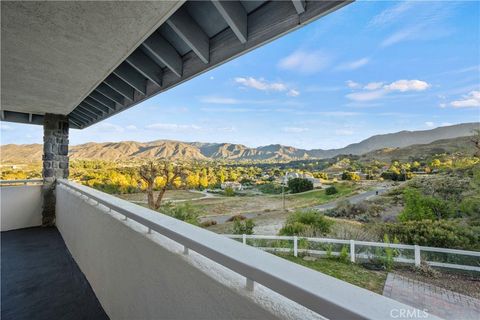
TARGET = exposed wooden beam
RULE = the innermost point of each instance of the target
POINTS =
(77, 123)
(81, 115)
(120, 86)
(95, 104)
(299, 6)
(146, 66)
(132, 77)
(190, 32)
(77, 119)
(98, 112)
(235, 15)
(87, 112)
(270, 21)
(165, 52)
(103, 100)
(110, 93)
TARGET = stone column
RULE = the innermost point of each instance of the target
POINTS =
(55, 161)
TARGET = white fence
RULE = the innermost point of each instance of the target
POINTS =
(361, 250)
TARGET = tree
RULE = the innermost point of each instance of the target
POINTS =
(297, 185)
(168, 173)
(350, 176)
(243, 227)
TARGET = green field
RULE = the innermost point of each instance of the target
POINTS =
(351, 273)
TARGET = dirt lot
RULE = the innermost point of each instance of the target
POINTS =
(170, 195)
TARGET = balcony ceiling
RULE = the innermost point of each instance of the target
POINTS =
(91, 60)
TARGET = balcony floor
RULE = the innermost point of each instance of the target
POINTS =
(40, 279)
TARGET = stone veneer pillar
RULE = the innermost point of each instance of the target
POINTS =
(55, 161)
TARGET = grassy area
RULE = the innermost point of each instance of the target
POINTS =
(317, 197)
(351, 273)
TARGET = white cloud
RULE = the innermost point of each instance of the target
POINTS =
(442, 105)
(261, 84)
(366, 95)
(373, 85)
(218, 100)
(352, 84)
(445, 124)
(352, 65)
(5, 127)
(391, 14)
(401, 35)
(294, 129)
(430, 124)
(472, 99)
(264, 85)
(172, 127)
(293, 93)
(377, 90)
(131, 127)
(232, 110)
(407, 85)
(306, 62)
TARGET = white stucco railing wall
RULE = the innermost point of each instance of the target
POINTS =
(21, 206)
(135, 278)
(145, 265)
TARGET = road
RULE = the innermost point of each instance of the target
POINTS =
(353, 199)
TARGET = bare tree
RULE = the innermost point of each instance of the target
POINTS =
(476, 141)
(169, 172)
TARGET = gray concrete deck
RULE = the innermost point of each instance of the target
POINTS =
(40, 279)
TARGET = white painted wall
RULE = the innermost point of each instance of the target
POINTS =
(136, 278)
(21, 206)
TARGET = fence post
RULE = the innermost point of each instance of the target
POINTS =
(244, 238)
(352, 250)
(250, 284)
(417, 256)
(295, 246)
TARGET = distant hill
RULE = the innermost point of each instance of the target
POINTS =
(129, 150)
(462, 145)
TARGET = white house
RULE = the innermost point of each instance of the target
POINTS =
(232, 184)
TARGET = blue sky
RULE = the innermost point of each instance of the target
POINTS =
(368, 68)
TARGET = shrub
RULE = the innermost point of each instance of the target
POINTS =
(185, 212)
(236, 217)
(297, 185)
(435, 233)
(420, 207)
(329, 250)
(229, 192)
(343, 256)
(208, 223)
(331, 190)
(243, 227)
(306, 223)
(350, 176)
(271, 188)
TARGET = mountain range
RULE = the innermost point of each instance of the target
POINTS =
(131, 150)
